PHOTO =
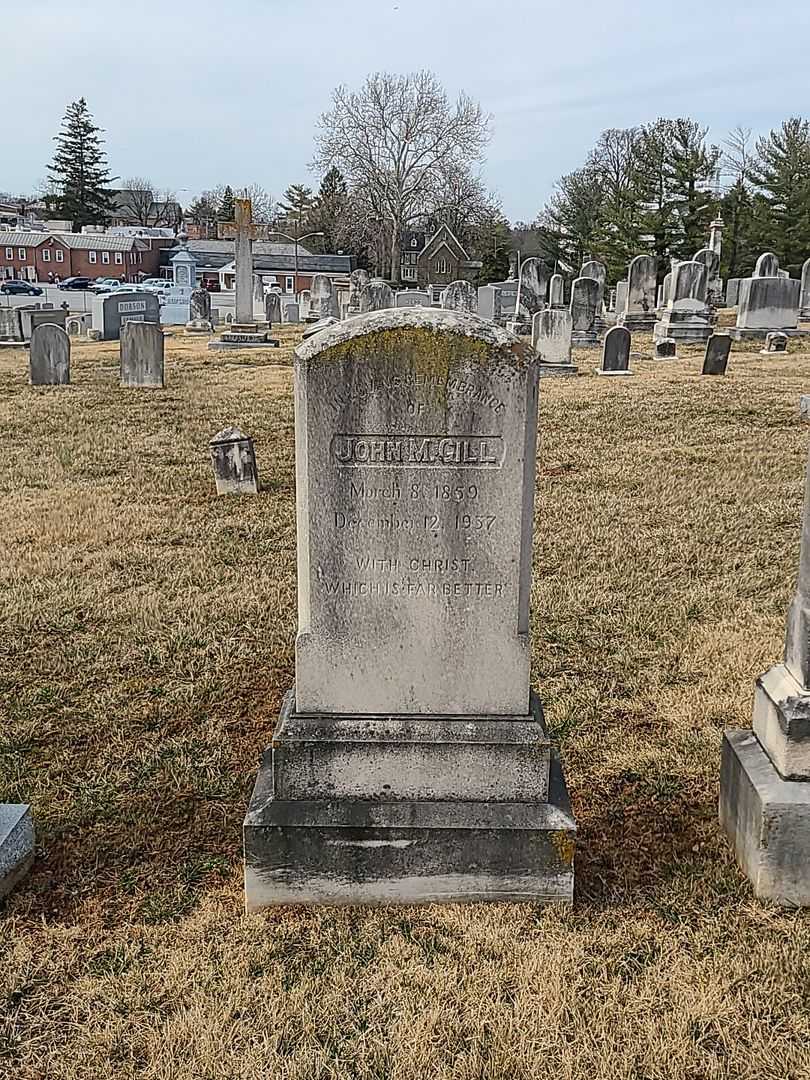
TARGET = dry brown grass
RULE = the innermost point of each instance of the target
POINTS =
(146, 633)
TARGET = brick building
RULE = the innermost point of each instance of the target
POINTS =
(275, 263)
(31, 256)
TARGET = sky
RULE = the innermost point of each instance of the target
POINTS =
(193, 94)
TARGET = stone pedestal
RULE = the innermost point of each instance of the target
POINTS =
(244, 336)
(684, 326)
(16, 844)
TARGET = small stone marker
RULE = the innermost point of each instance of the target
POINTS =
(715, 360)
(411, 298)
(16, 844)
(429, 778)
(489, 303)
(142, 346)
(616, 352)
(551, 338)
(804, 406)
(49, 356)
(234, 461)
(765, 770)
(461, 296)
(775, 343)
(666, 349)
(376, 296)
(74, 327)
(272, 307)
(290, 313)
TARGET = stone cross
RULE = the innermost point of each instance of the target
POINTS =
(243, 231)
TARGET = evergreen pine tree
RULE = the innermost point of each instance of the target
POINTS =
(226, 205)
(297, 206)
(782, 173)
(79, 170)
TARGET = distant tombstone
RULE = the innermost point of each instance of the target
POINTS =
(110, 313)
(714, 286)
(509, 291)
(666, 349)
(556, 291)
(49, 356)
(199, 305)
(10, 324)
(258, 293)
(376, 296)
(290, 313)
(304, 303)
(733, 291)
(584, 308)
(358, 279)
(142, 347)
(16, 844)
(323, 298)
(776, 343)
(666, 288)
(532, 288)
(622, 289)
(74, 327)
(409, 298)
(234, 462)
(272, 307)
(175, 305)
(489, 302)
(597, 270)
(461, 296)
(804, 295)
(767, 265)
(686, 316)
(639, 306)
(184, 265)
(551, 338)
(32, 317)
(229, 317)
(715, 359)
(616, 352)
(767, 303)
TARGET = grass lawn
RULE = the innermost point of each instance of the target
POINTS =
(146, 638)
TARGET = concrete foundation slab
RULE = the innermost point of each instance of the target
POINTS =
(16, 844)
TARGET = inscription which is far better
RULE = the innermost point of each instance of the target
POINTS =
(417, 451)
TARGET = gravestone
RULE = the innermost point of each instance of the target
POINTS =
(666, 289)
(358, 279)
(765, 770)
(74, 326)
(244, 332)
(142, 355)
(584, 307)
(551, 339)
(16, 845)
(508, 291)
(272, 307)
(666, 349)
(597, 270)
(304, 301)
(622, 290)
(556, 291)
(175, 305)
(686, 316)
(804, 292)
(31, 317)
(616, 352)
(406, 298)
(638, 310)
(714, 285)
(184, 265)
(715, 359)
(461, 296)
(767, 265)
(376, 296)
(112, 312)
(767, 303)
(411, 762)
(49, 356)
(10, 325)
(733, 291)
(323, 302)
(532, 291)
(290, 313)
(201, 320)
(234, 462)
(775, 343)
(489, 302)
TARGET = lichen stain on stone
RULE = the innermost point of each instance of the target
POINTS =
(564, 845)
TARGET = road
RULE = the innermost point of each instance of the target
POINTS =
(81, 300)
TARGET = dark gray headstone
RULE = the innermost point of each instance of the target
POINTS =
(323, 300)
(586, 296)
(376, 296)
(49, 359)
(666, 349)
(715, 360)
(199, 305)
(110, 313)
(142, 347)
(272, 307)
(616, 352)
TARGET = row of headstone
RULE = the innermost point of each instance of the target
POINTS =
(142, 355)
(686, 314)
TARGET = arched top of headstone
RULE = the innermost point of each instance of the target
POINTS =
(460, 296)
(767, 265)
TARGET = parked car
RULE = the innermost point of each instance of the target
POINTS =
(76, 283)
(9, 288)
(157, 284)
(104, 284)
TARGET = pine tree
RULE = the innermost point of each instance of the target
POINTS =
(782, 173)
(329, 210)
(79, 171)
(297, 206)
(226, 208)
(689, 171)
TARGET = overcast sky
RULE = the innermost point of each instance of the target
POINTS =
(228, 91)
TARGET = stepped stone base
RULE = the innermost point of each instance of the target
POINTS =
(642, 324)
(683, 327)
(767, 820)
(408, 809)
(549, 371)
(584, 339)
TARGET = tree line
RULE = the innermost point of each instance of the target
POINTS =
(654, 189)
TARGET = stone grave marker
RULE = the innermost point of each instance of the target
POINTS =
(323, 302)
(716, 356)
(489, 302)
(622, 290)
(112, 312)
(666, 349)
(687, 316)
(804, 291)
(234, 462)
(243, 231)
(616, 352)
(10, 324)
(714, 285)
(767, 303)
(142, 346)
(358, 279)
(16, 844)
(290, 312)
(272, 307)
(551, 338)
(775, 343)
(376, 296)
(406, 298)
(532, 291)
(430, 777)
(767, 265)
(461, 296)
(556, 291)
(199, 306)
(733, 291)
(584, 308)
(31, 317)
(597, 270)
(638, 312)
(49, 356)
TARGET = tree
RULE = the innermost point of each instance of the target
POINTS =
(79, 170)
(203, 210)
(492, 246)
(298, 202)
(262, 203)
(690, 168)
(616, 159)
(570, 225)
(146, 206)
(225, 205)
(328, 213)
(398, 137)
(781, 171)
(737, 205)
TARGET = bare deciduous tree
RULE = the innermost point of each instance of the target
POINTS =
(398, 137)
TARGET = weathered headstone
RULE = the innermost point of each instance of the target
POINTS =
(10, 324)
(290, 312)
(74, 326)
(532, 290)
(243, 232)
(556, 291)
(40, 315)
(686, 316)
(666, 349)
(775, 343)
(406, 298)
(638, 312)
(804, 406)
(765, 772)
(323, 299)
(804, 293)
(376, 296)
(715, 359)
(551, 338)
(616, 352)
(489, 302)
(733, 291)
(461, 296)
(666, 289)
(175, 306)
(199, 305)
(429, 777)
(142, 355)
(16, 844)
(234, 462)
(358, 279)
(597, 270)
(714, 285)
(112, 312)
(767, 303)
(622, 290)
(49, 356)
(584, 307)
(767, 265)
(272, 307)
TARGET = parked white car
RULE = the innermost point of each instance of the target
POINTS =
(157, 284)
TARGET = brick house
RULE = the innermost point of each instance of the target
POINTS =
(436, 261)
(31, 256)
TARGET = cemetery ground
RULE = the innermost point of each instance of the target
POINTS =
(147, 632)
